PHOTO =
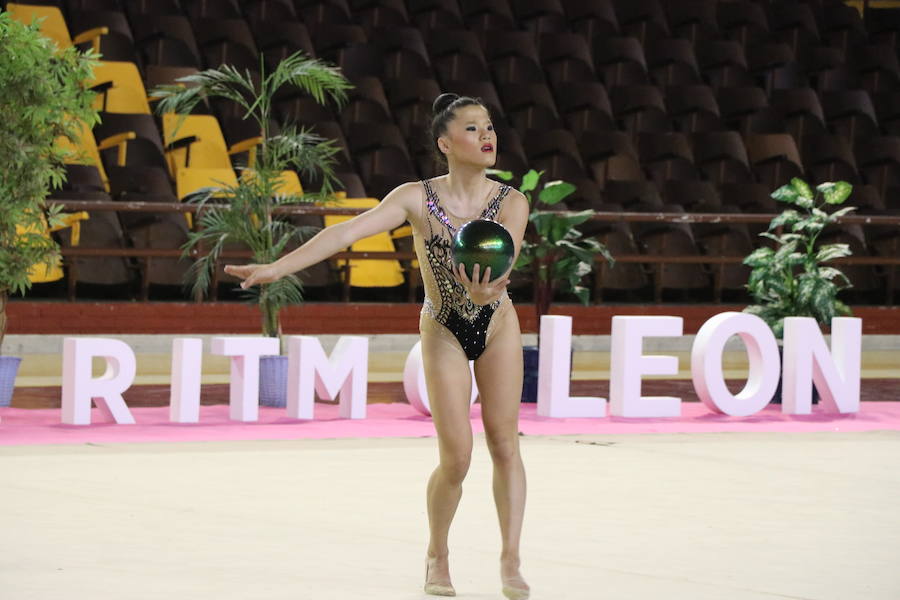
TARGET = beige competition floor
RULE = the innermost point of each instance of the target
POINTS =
(657, 517)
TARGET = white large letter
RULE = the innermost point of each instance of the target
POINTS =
(807, 360)
(78, 386)
(344, 374)
(414, 384)
(706, 363)
(184, 397)
(628, 364)
(243, 392)
(554, 369)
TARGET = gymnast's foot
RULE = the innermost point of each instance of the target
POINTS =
(437, 577)
(514, 586)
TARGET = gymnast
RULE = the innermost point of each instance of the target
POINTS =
(462, 319)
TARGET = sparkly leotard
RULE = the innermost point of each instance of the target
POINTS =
(446, 300)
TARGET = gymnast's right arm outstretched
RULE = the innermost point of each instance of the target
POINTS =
(390, 213)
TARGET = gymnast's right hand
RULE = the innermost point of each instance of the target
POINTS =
(253, 274)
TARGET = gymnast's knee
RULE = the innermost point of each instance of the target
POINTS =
(504, 449)
(455, 466)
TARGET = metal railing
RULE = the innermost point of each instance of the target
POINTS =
(892, 261)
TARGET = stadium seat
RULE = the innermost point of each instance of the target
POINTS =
(693, 108)
(368, 273)
(53, 25)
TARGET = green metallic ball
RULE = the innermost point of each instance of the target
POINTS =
(486, 243)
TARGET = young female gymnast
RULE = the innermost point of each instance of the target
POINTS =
(462, 319)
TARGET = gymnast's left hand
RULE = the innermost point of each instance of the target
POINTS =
(481, 289)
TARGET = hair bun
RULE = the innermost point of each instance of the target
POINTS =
(442, 102)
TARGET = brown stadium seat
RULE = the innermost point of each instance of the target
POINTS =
(435, 14)
(456, 55)
(693, 20)
(410, 101)
(774, 158)
(747, 110)
(610, 156)
(674, 281)
(540, 16)
(794, 24)
(693, 108)
(640, 108)
(877, 67)
(671, 61)
(404, 52)
(513, 58)
(800, 110)
(619, 60)
(374, 15)
(584, 107)
(226, 41)
(666, 157)
(843, 27)
(166, 39)
(694, 196)
(592, 18)
(850, 113)
(566, 57)
(721, 156)
(530, 106)
(118, 41)
(317, 13)
(643, 19)
(487, 15)
(723, 63)
(829, 158)
(743, 21)
(775, 66)
(878, 161)
(270, 11)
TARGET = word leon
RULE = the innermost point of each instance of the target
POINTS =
(806, 361)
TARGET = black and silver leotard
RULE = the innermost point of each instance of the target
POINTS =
(446, 300)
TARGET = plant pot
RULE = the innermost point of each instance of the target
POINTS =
(530, 356)
(9, 366)
(273, 372)
(776, 398)
(530, 362)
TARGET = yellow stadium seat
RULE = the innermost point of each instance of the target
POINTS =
(54, 25)
(197, 141)
(194, 141)
(41, 272)
(288, 183)
(369, 273)
(122, 89)
(86, 151)
(191, 180)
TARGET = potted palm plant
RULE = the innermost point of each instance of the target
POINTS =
(245, 213)
(43, 99)
(556, 253)
(791, 279)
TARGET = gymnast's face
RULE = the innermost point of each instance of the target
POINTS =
(470, 137)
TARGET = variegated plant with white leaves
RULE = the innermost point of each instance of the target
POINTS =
(793, 278)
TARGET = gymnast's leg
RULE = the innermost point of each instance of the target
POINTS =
(449, 389)
(498, 372)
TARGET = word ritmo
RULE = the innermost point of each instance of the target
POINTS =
(805, 360)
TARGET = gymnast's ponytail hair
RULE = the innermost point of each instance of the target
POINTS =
(444, 109)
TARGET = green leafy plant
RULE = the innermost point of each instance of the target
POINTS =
(791, 279)
(245, 213)
(557, 252)
(43, 99)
